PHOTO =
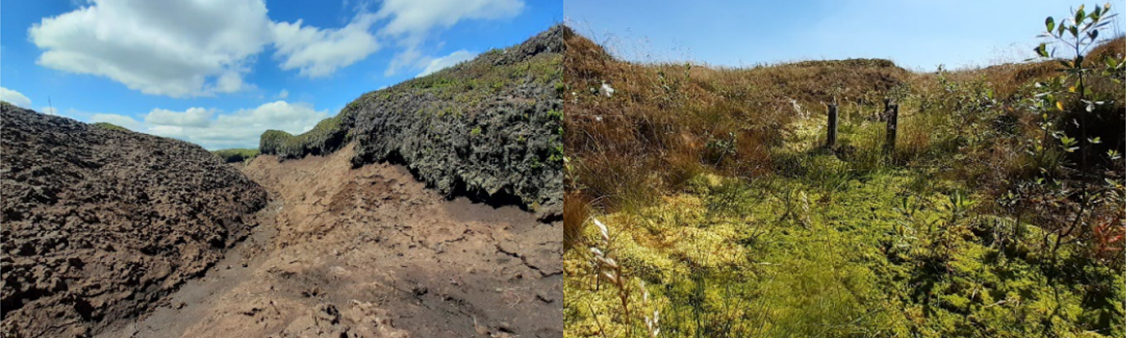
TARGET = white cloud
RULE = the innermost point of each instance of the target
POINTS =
(283, 94)
(121, 120)
(447, 61)
(320, 52)
(193, 117)
(411, 21)
(14, 97)
(205, 47)
(417, 17)
(173, 48)
(49, 110)
(409, 58)
(240, 129)
(191, 48)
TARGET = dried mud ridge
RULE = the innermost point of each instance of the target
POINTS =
(371, 252)
(100, 224)
(487, 128)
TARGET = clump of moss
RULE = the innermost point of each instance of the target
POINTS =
(236, 155)
(772, 258)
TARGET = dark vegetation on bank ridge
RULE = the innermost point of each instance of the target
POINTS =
(108, 125)
(236, 155)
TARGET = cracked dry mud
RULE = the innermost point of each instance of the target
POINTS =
(370, 252)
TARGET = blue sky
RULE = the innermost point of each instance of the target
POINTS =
(915, 34)
(218, 73)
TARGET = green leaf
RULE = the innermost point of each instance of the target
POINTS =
(1067, 141)
(1079, 15)
(1050, 23)
(1094, 33)
(1042, 50)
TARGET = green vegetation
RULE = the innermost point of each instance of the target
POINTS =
(236, 155)
(465, 88)
(722, 214)
(110, 126)
(327, 136)
(876, 256)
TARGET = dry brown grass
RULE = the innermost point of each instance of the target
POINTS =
(667, 122)
(1007, 79)
(576, 211)
(1115, 48)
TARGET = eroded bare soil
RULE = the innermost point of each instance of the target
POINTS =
(99, 225)
(370, 252)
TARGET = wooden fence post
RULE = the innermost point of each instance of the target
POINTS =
(832, 139)
(891, 115)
